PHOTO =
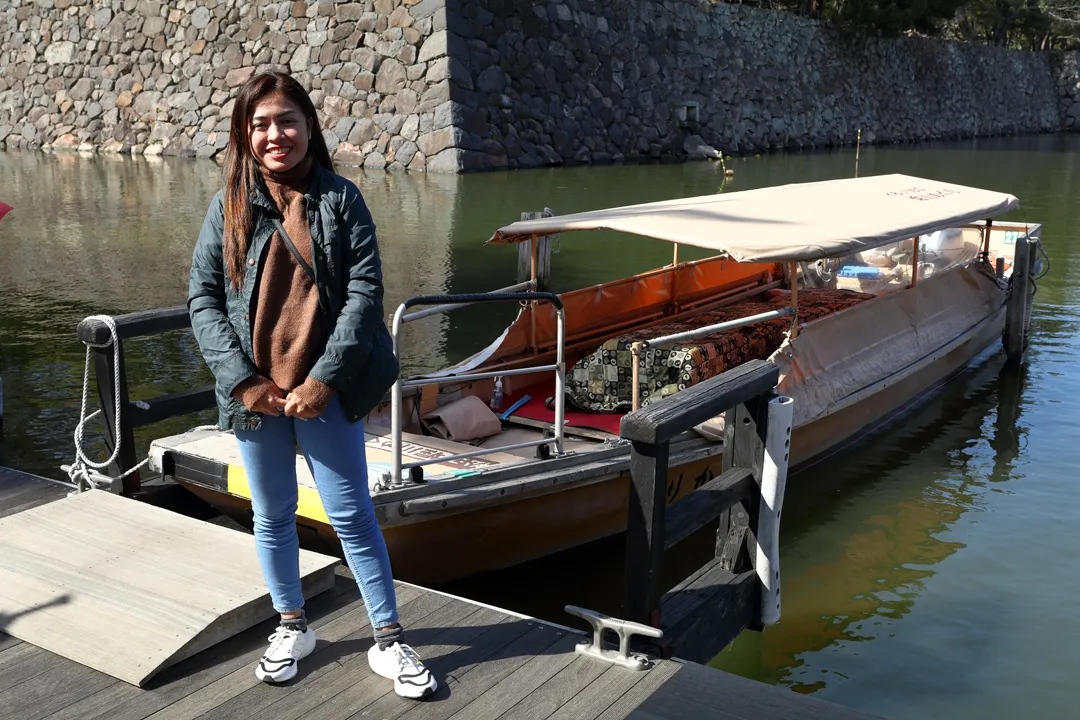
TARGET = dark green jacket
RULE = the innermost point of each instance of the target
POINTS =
(357, 358)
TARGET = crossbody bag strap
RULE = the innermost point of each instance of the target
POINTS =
(296, 253)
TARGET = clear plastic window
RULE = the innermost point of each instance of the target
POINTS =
(888, 268)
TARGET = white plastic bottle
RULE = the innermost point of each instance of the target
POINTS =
(497, 396)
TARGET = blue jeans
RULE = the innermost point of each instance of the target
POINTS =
(335, 453)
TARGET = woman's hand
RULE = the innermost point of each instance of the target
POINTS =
(270, 402)
(296, 406)
(309, 400)
(260, 395)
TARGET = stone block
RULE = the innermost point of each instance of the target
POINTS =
(391, 77)
(406, 101)
(60, 53)
(239, 76)
(447, 161)
(410, 130)
(436, 141)
(200, 18)
(348, 71)
(349, 11)
(153, 26)
(434, 47)
(364, 130)
(348, 154)
(375, 161)
(426, 8)
(301, 59)
(400, 18)
(82, 89)
(364, 81)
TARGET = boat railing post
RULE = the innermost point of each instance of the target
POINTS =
(560, 379)
(914, 263)
(645, 531)
(445, 302)
(773, 484)
(748, 388)
(396, 429)
(635, 375)
(793, 272)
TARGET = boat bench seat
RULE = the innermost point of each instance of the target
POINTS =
(602, 380)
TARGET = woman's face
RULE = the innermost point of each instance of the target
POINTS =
(279, 133)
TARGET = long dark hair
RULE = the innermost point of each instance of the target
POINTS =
(241, 168)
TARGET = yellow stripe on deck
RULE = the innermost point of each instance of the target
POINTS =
(308, 503)
(220, 449)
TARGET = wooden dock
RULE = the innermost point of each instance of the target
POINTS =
(491, 664)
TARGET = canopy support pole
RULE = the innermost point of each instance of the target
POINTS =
(793, 273)
(914, 263)
(635, 374)
(986, 240)
(533, 275)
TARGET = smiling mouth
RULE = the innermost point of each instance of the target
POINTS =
(278, 152)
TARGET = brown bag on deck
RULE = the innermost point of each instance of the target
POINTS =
(463, 420)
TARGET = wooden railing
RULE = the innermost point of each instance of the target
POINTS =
(739, 587)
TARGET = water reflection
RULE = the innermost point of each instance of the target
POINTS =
(865, 530)
(930, 572)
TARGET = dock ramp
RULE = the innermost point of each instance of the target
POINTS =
(129, 589)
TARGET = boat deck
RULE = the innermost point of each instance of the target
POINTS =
(491, 663)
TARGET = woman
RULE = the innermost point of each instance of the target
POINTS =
(285, 301)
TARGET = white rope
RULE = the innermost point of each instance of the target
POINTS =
(79, 472)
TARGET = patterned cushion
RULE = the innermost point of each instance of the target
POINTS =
(602, 380)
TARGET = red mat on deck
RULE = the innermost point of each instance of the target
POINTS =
(535, 410)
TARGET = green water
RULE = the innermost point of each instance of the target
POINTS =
(930, 572)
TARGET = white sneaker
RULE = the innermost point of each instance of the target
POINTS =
(401, 664)
(287, 647)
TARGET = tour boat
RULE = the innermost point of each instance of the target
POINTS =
(867, 293)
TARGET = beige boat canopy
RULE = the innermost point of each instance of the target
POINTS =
(804, 221)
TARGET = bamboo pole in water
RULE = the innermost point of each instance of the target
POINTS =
(858, 145)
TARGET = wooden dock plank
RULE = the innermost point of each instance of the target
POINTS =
(71, 576)
(22, 491)
(332, 669)
(7, 641)
(23, 662)
(127, 702)
(696, 691)
(625, 703)
(64, 683)
(557, 691)
(599, 695)
(328, 689)
(462, 688)
(209, 697)
(475, 637)
(533, 674)
(352, 686)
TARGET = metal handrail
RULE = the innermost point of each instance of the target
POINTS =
(447, 302)
(710, 329)
(527, 285)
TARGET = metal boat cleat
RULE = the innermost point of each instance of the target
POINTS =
(623, 628)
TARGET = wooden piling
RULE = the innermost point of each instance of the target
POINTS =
(733, 497)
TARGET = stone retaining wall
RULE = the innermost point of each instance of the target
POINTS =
(150, 77)
(592, 81)
(450, 85)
